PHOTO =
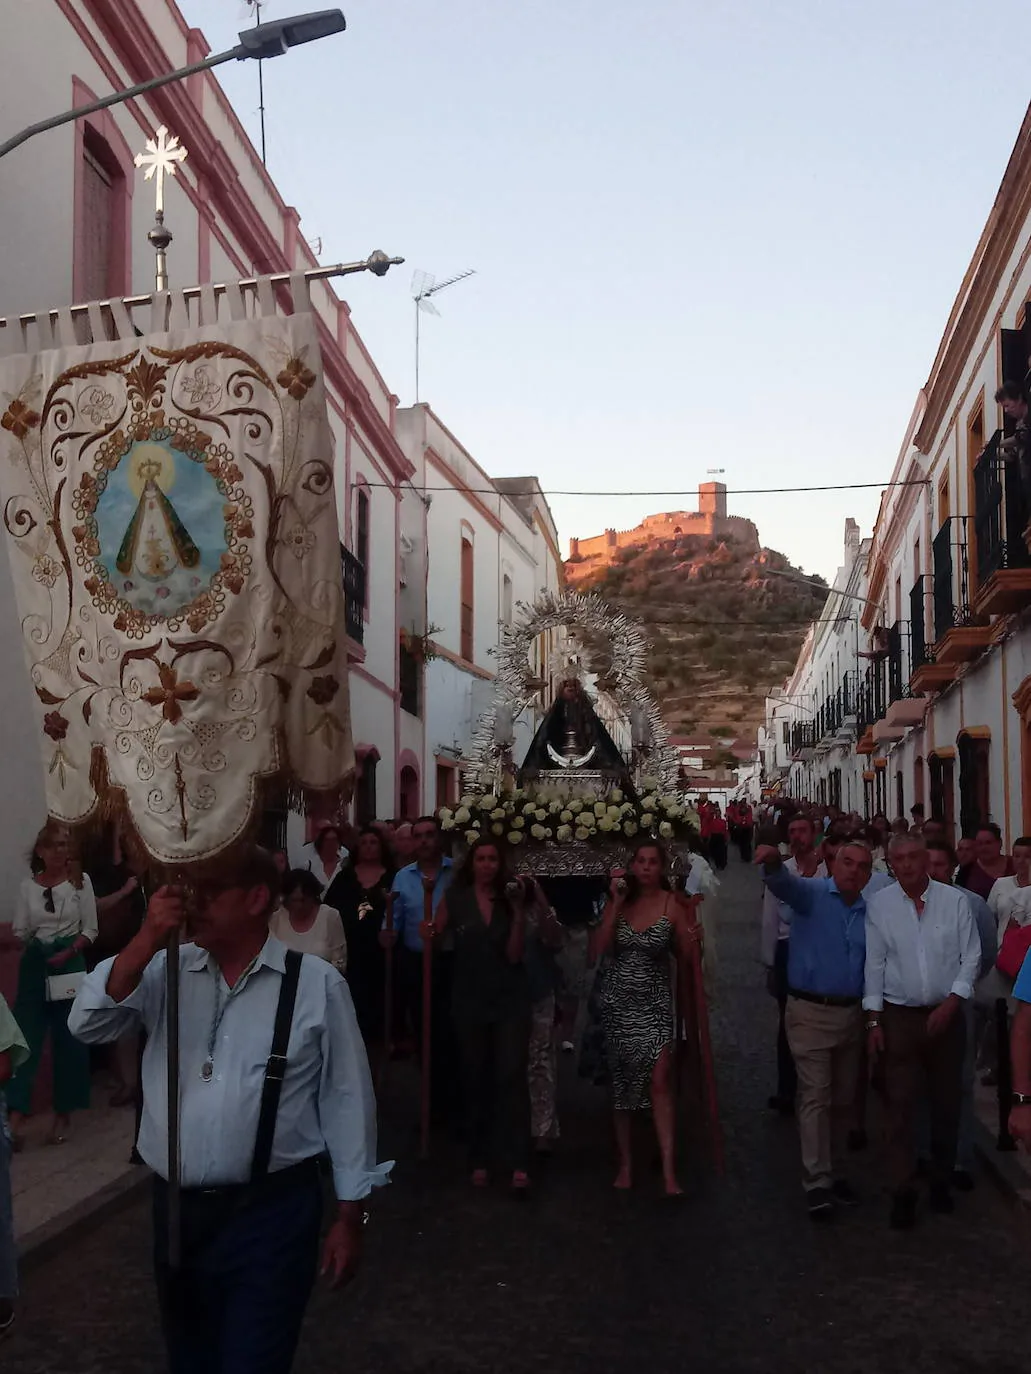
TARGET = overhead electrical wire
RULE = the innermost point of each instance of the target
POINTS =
(693, 491)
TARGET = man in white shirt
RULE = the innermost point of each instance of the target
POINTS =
(922, 959)
(1010, 898)
(252, 1193)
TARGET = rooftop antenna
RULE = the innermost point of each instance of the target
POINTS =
(255, 7)
(424, 288)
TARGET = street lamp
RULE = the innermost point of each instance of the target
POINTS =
(265, 41)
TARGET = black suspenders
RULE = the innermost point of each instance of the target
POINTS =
(275, 1069)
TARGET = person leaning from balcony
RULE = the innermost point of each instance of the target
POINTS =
(1017, 447)
(490, 1005)
(923, 956)
(251, 1202)
(824, 1019)
(56, 920)
(359, 893)
(941, 866)
(14, 1050)
(989, 864)
(307, 924)
(805, 862)
(326, 855)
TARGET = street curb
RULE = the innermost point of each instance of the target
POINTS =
(1006, 1171)
(41, 1243)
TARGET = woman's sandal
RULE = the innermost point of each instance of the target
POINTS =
(520, 1183)
(480, 1178)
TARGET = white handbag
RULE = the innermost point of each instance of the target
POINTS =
(62, 987)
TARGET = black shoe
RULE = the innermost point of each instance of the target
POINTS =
(784, 1105)
(6, 1317)
(857, 1140)
(940, 1199)
(903, 1210)
(844, 1193)
(962, 1180)
(820, 1202)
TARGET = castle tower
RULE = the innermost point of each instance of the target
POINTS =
(712, 499)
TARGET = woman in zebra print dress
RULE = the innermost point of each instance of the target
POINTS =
(643, 925)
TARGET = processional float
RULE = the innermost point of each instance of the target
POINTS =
(576, 805)
(170, 507)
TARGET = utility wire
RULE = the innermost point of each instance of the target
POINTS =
(734, 491)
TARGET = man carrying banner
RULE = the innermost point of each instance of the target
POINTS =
(273, 1075)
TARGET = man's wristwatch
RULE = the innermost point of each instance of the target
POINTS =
(872, 1022)
(1020, 1099)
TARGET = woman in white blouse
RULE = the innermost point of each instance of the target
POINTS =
(55, 920)
(304, 923)
(326, 856)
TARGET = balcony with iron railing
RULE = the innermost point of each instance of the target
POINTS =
(925, 675)
(354, 595)
(803, 739)
(905, 706)
(870, 706)
(1000, 519)
(960, 633)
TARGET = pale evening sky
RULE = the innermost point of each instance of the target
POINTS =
(705, 235)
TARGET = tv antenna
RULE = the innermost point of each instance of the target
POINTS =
(424, 288)
(255, 7)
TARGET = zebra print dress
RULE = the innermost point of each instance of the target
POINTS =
(637, 1010)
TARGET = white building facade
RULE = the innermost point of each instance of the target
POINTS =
(944, 692)
(75, 218)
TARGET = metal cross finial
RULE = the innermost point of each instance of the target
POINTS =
(161, 159)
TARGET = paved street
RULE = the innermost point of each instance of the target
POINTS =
(734, 1278)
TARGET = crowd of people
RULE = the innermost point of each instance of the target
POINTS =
(510, 980)
(896, 962)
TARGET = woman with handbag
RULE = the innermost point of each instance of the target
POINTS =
(56, 921)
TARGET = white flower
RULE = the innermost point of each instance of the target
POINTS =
(613, 813)
(616, 795)
(566, 817)
(468, 801)
(445, 814)
(630, 829)
(665, 830)
(519, 823)
(647, 821)
(554, 807)
(462, 815)
(497, 814)
(514, 837)
(600, 808)
(541, 813)
(576, 806)
(471, 836)
(538, 832)
(563, 834)
(649, 784)
(582, 834)
(627, 809)
(649, 803)
(530, 809)
(489, 803)
(605, 825)
(447, 823)
(497, 829)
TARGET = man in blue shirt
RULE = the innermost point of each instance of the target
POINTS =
(431, 866)
(824, 1018)
(1020, 1051)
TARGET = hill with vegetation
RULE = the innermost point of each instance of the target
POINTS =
(723, 626)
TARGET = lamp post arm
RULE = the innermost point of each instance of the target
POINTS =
(55, 121)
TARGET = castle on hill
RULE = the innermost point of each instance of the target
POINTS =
(709, 520)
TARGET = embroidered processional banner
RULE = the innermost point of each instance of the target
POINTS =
(171, 522)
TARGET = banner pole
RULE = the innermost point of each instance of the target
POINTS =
(172, 1068)
(427, 1021)
(388, 994)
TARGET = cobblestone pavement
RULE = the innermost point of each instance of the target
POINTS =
(734, 1278)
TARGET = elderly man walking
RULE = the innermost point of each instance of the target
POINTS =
(922, 959)
(824, 1019)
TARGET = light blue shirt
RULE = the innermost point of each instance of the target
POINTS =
(409, 901)
(327, 1103)
(918, 960)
